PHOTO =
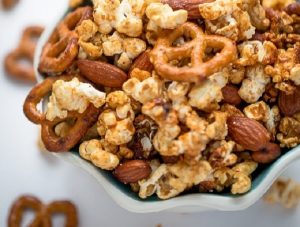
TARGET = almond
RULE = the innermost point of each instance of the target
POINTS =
(132, 171)
(191, 6)
(101, 73)
(268, 154)
(248, 133)
(231, 95)
(142, 62)
(289, 104)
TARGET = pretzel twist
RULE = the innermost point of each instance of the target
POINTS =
(43, 212)
(163, 53)
(62, 47)
(25, 50)
(82, 123)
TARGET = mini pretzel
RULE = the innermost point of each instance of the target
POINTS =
(26, 51)
(163, 53)
(8, 4)
(43, 212)
(53, 142)
(62, 47)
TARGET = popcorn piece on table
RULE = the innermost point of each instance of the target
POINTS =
(286, 192)
(72, 96)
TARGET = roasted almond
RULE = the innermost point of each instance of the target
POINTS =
(101, 73)
(289, 104)
(142, 62)
(191, 6)
(268, 154)
(231, 95)
(248, 133)
(132, 171)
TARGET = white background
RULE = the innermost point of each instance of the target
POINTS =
(25, 169)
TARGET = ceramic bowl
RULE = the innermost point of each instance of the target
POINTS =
(123, 196)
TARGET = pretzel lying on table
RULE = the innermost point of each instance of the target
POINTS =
(43, 212)
(25, 50)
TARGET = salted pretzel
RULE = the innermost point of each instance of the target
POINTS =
(25, 50)
(163, 53)
(62, 47)
(51, 141)
(43, 213)
(9, 4)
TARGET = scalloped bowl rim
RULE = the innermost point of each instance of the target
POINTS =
(185, 203)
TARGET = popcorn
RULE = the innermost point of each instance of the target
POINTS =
(170, 180)
(218, 129)
(227, 18)
(116, 124)
(285, 68)
(276, 4)
(144, 91)
(221, 154)
(253, 52)
(125, 16)
(93, 151)
(208, 94)
(129, 48)
(72, 96)
(162, 16)
(286, 192)
(242, 182)
(254, 85)
(289, 135)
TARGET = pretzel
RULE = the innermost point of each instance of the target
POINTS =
(9, 4)
(43, 212)
(53, 142)
(163, 53)
(25, 50)
(62, 47)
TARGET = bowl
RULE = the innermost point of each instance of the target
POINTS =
(189, 203)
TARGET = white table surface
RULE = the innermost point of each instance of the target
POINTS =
(24, 169)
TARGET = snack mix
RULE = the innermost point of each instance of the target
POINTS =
(173, 96)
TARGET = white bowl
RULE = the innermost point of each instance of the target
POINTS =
(185, 203)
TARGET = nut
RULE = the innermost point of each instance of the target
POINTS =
(132, 171)
(191, 6)
(289, 104)
(142, 62)
(248, 133)
(268, 154)
(231, 95)
(101, 73)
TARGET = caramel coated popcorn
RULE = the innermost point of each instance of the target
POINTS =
(285, 192)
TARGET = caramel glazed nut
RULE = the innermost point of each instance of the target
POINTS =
(43, 213)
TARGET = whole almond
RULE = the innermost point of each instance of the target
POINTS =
(248, 133)
(101, 73)
(132, 171)
(191, 6)
(289, 104)
(268, 154)
(231, 95)
(142, 62)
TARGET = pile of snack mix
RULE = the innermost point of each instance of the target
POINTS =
(173, 95)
